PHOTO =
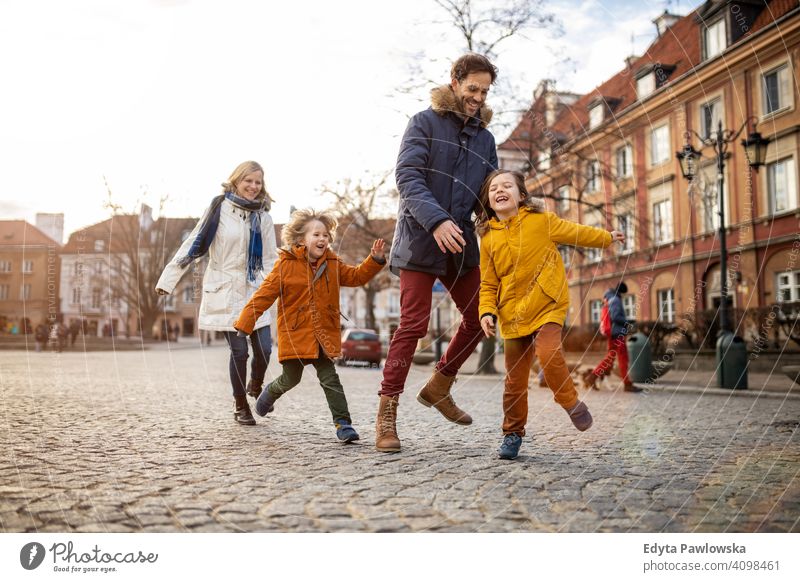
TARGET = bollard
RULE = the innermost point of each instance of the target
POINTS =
(640, 368)
(731, 362)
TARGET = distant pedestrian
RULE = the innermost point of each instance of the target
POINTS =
(617, 349)
(524, 288)
(237, 234)
(305, 282)
(74, 328)
(40, 336)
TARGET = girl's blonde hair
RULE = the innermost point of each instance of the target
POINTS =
(484, 212)
(294, 231)
(248, 167)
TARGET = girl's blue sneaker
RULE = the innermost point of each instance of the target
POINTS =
(510, 447)
(345, 431)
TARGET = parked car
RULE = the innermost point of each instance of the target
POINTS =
(361, 345)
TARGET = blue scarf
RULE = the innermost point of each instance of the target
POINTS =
(208, 230)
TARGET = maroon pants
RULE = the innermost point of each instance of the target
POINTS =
(415, 313)
(616, 347)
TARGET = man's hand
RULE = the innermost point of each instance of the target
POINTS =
(448, 237)
(487, 324)
(379, 249)
(617, 236)
(161, 291)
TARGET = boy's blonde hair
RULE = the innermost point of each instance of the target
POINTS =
(294, 231)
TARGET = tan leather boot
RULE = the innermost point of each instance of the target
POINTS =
(590, 380)
(386, 439)
(436, 393)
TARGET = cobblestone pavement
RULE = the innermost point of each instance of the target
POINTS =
(145, 441)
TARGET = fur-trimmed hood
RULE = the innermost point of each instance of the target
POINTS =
(443, 101)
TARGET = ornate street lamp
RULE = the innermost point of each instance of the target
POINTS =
(755, 148)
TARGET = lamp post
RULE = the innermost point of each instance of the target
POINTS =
(755, 147)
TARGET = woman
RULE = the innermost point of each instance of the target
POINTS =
(237, 233)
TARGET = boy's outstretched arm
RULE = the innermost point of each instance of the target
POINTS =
(358, 276)
(261, 300)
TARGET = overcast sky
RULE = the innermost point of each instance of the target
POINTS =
(166, 97)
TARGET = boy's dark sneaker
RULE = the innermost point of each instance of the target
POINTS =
(265, 402)
(345, 431)
(510, 447)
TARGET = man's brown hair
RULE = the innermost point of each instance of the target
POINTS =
(472, 63)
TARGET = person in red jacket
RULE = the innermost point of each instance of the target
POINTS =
(616, 342)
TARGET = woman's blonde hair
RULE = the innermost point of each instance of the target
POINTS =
(484, 212)
(294, 231)
(248, 167)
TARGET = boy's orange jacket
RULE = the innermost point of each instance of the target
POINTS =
(308, 302)
(523, 281)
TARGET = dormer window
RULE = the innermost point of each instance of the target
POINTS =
(544, 161)
(596, 115)
(714, 39)
(645, 85)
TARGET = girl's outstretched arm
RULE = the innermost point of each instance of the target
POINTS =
(490, 282)
(567, 232)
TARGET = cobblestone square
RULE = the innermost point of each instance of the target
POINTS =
(145, 441)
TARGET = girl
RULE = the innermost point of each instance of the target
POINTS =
(523, 284)
(237, 233)
(305, 282)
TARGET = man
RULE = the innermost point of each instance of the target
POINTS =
(616, 342)
(445, 155)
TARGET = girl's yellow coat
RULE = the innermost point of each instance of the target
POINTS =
(523, 281)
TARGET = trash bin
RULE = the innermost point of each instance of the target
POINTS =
(640, 368)
(731, 362)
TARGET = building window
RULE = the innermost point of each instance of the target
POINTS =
(593, 218)
(563, 200)
(77, 269)
(96, 298)
(25, 292)
(76, 295)
(188, 294)
(662, 222)
(98, 267)
(394, 304)
(788, 287)
(544, 161)
(5, 266)
(781, 185)
(3, 292)
(594, 310)
(776, 90)
(710, 115)
(659, 145)
(593, 176)
(666, 305)
(27, 267)
(624, 161)
(595, 116)
(99, 246)
(625, 226)
(645, 85)
(169, 301)
(714, 38)
(566, 254)
(629, 305)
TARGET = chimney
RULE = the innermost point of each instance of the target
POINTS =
(52, 225)
(629, 60)
(664, 21)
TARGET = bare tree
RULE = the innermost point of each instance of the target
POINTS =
(366, 211)
(139, 247)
